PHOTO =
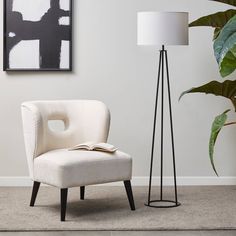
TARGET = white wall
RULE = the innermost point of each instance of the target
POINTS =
(108, 66)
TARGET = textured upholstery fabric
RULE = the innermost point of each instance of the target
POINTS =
(63, 168)
(85, 120)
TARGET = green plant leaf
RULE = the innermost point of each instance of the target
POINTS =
(216, 33)
(217, 20)
(228, 64)
(223, 44)
(217, 125)
(230, 2)
(226, 89)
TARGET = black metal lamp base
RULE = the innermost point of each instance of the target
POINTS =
(161, 203)
(158, 205)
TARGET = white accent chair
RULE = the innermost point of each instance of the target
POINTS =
(48, 157)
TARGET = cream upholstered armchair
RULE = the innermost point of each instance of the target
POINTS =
(48, 157)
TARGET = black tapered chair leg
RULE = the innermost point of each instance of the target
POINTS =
(129, 192)
(64, 192)
(82, 190)
(34, 193)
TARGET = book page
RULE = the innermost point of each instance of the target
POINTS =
(90, 146)
(105, 146)
(87, 145)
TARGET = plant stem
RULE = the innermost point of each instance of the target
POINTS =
(231, 123)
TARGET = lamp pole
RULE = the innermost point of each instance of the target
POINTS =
(163, 64)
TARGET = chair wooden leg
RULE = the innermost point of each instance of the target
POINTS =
(64, 192)
(129, 194)
(34, 193)
(82, 190)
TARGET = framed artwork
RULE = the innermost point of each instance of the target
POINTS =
(37, 35)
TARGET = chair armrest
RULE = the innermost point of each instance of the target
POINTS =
(32, 122)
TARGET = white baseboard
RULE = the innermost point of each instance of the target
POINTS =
(136, 181)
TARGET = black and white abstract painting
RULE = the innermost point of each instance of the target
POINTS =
(38, 35)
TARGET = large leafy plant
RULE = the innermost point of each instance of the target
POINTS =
(224, 47)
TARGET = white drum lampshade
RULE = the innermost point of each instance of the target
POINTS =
(162, 28)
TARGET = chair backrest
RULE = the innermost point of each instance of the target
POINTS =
(85, 120)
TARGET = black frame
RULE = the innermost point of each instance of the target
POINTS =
(163, 64)
(40, 69)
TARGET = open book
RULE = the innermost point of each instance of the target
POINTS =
(90, 146)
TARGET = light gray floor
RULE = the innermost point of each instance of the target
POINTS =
(106, 208)
(124, 233)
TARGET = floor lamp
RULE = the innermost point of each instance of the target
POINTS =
(162, 28)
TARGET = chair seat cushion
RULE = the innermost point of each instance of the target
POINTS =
(64, 169)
